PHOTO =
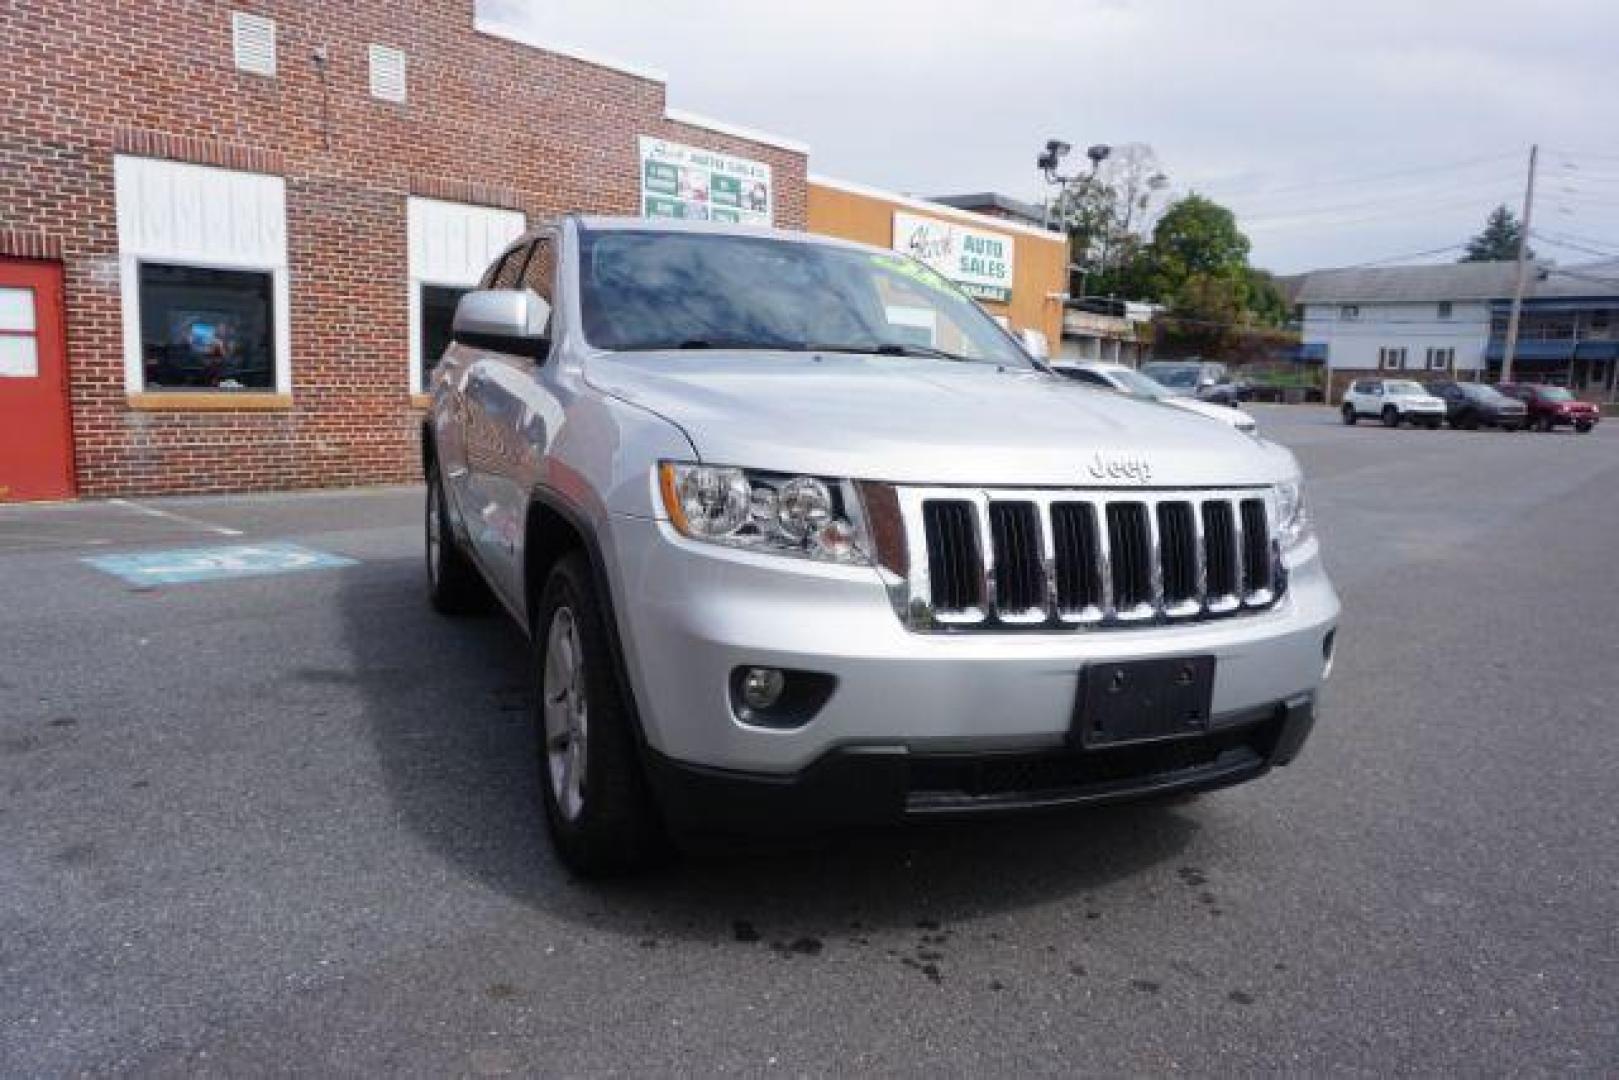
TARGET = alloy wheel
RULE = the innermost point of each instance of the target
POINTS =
(566, 713)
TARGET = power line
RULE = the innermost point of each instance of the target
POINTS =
(1402, 258)
(1572, 245)
(1296, 221)
(1560, 152)
(1555, 237)
(1447, 194)
(1316, 185)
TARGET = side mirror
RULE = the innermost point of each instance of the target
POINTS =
(1034, 343)
(504, 320)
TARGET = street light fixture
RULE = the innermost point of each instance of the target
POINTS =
(1051, 157)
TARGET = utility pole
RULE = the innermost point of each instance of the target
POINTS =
(1511, 347)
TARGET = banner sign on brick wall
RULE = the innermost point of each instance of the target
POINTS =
(979, 262)
(701, 185)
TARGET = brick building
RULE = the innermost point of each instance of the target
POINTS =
(231, 231)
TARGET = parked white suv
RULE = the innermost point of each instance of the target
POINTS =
(1393, 401)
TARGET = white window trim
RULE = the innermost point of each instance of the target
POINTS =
(129, 264)
(416, 279)
(129, 267)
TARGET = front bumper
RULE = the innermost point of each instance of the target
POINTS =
(689, 614)
(858, 786)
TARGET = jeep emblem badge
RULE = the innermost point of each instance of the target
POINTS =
(1113, 466)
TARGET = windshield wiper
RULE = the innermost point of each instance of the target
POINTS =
(889, 348)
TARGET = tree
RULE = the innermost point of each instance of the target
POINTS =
(1195, 238)
(1197, 267)
(1499, 240)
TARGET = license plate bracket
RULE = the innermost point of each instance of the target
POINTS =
(1135, 701)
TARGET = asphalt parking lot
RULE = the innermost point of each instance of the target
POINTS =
(289, 823)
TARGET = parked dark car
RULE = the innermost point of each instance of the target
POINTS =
(1553, 406)
(1472, 405)
(1202, 379)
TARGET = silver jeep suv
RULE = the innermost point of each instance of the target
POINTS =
(802, 538)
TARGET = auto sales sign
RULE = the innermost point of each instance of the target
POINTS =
(979, 262)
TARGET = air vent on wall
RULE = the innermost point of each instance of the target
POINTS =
(387, 73)
(253, 40)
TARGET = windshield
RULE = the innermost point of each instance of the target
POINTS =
(1177, 377)
(1399, 386)
(1482, 393)
(645, 290)
(1555, 393)
(1138, 384)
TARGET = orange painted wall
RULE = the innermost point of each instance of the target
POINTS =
(1037, 263)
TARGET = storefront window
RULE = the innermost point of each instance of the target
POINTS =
(206, 329)
(438, 316)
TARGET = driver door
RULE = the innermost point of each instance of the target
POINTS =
(508, 411)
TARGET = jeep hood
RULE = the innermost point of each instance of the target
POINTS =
(920, 421)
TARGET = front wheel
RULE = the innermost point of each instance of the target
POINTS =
(597, 804)
(1349, 415)
(1583, 426)
(1391, 416)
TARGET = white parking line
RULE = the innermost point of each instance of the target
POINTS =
(152, 511)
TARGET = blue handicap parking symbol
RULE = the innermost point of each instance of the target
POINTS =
(180, 566)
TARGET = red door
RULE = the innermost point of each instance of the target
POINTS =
(36, 438)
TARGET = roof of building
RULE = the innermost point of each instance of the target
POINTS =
(1585, 280)
(1450, 281)
(938, 209)
(1457, 281)
(986, 201)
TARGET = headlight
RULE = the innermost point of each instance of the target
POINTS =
(1293, 518)
(806, 516)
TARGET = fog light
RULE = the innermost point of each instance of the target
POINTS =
(762, 687)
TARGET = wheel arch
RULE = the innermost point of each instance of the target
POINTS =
(552, 529)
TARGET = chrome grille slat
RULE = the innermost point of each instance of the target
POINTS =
(986, 559)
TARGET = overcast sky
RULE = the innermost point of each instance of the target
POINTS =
(1339, 132)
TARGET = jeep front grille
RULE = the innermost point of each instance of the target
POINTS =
(1056, 560)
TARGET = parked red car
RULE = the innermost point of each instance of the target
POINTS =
(1553, 406)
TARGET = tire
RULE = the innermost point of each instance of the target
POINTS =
(1349, 415)
(1544, 424)
(1391, 416)
(453, 584)
(597, 803)
(1583, 426)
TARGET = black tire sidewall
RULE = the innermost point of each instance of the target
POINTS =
(453, 586)
(1391, 416)
(617, 829)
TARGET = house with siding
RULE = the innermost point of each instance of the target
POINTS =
(1451, 321)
